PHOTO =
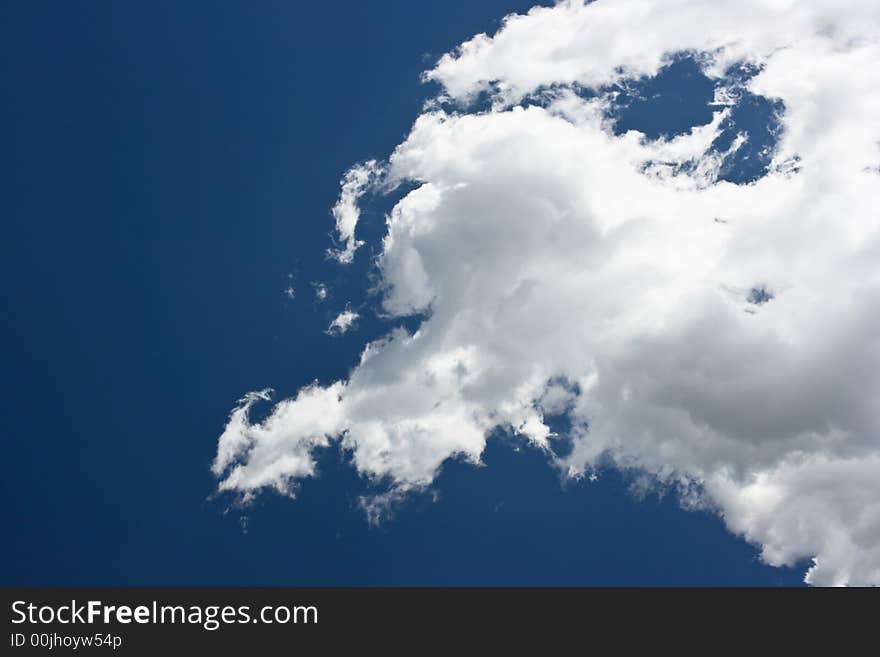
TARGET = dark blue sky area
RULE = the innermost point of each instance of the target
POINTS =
(681, 97)
(167, 166)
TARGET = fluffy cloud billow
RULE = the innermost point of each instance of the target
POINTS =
(720, 334)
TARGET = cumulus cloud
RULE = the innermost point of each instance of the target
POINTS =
(346, 213)
(720, 337)
(343, 322)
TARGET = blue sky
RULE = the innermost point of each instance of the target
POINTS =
(169, 172)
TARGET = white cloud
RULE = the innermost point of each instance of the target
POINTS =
(343, 322)
(356, 182)
(548, 249)
(278, 450)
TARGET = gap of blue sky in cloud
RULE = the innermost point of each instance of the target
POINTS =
(650, 227)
